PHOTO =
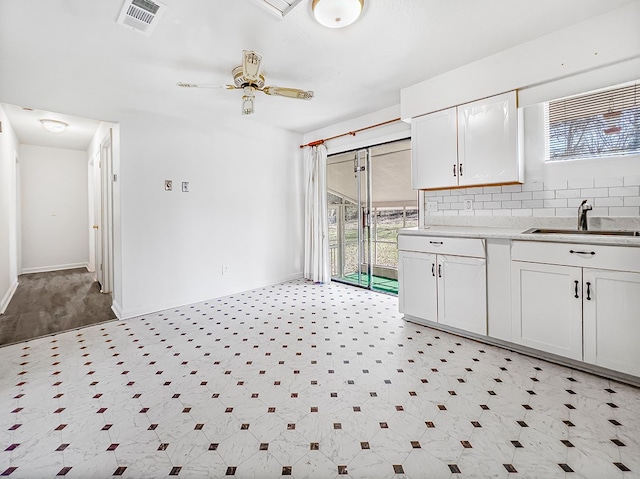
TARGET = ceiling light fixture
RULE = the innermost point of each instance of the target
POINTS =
(337, 13)
(54, 126)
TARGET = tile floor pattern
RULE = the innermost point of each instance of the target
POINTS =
(307, 381)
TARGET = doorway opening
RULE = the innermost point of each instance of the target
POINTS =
(369, 199)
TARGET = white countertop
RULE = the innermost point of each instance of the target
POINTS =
(516, 233)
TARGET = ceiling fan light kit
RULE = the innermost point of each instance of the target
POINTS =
(248, 100)
(337, 13)
(249, 78)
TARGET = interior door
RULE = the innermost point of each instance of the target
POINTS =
(104, 233)
(97, 220)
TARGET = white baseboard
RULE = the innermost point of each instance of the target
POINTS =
(59, 267)
(7, 297)
(133, 313)
(117, 310)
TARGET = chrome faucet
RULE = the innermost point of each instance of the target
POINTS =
(582, 215)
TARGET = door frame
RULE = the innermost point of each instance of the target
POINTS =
(103, 220)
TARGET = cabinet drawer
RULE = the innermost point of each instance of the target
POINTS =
(621, 258)
(473, 247)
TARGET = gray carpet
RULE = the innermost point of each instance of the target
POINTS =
(47, 303)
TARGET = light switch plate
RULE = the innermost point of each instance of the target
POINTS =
(168, 185)
(185, 186)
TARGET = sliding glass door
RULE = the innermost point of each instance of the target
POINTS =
(349, 198)
(370, 198)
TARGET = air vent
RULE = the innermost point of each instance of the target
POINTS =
(278, 7)
(141, 15)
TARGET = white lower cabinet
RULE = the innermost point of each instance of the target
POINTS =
(611, 302)
(462, 293)
(417, 286)
(582, 309)
(443, 288)
(547, 308)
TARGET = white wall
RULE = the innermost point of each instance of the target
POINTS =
(54, 210)
(595, 43)
(383, 134)
(244, 210)
(8, 212)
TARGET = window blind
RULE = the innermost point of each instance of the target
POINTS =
(593, 125)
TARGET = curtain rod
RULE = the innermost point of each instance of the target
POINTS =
(352, 133)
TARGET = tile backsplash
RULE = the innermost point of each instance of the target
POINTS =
(613, 196)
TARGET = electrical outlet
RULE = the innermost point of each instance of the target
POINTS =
(185, 186)
(432, 206)
(168, 185)
(225, 269)
(468, 205)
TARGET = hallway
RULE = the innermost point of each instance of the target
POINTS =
(52, 302)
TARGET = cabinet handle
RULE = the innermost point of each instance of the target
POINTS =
(460, 169)
(454, 170)
(576, 282)
(433, 270)
(582, 252)
(588, 291)
(439, 271)
(436, 242)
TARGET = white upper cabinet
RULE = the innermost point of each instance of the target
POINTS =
(469, 145)
(487, 141)
(434, 149)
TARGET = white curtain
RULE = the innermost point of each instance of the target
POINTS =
(317, 265)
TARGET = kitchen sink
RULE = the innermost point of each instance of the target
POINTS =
(543, 231)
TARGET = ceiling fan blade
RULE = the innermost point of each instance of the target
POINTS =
(204, 85)
(251, 65)
(288, 92)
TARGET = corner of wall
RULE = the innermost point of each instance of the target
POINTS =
(8, 296)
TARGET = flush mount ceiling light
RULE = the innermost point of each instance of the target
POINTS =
(337, 13)
(54, 126)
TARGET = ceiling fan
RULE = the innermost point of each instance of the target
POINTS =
(248, 78)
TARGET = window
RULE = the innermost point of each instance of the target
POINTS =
(594, 125)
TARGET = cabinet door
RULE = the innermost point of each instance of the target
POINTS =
(487, 141)
(417, 285)
(462, 297)
(612, 319)
(434, 150)
(547, 307)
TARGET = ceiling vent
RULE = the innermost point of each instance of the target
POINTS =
(279, 7)
(141, 15)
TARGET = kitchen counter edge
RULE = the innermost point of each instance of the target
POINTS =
(491, 232)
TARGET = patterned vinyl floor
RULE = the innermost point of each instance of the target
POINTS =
(308, 381)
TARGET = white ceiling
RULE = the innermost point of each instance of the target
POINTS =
(27, 127)
(71, 57)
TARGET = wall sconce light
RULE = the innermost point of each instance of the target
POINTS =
(337, 13)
